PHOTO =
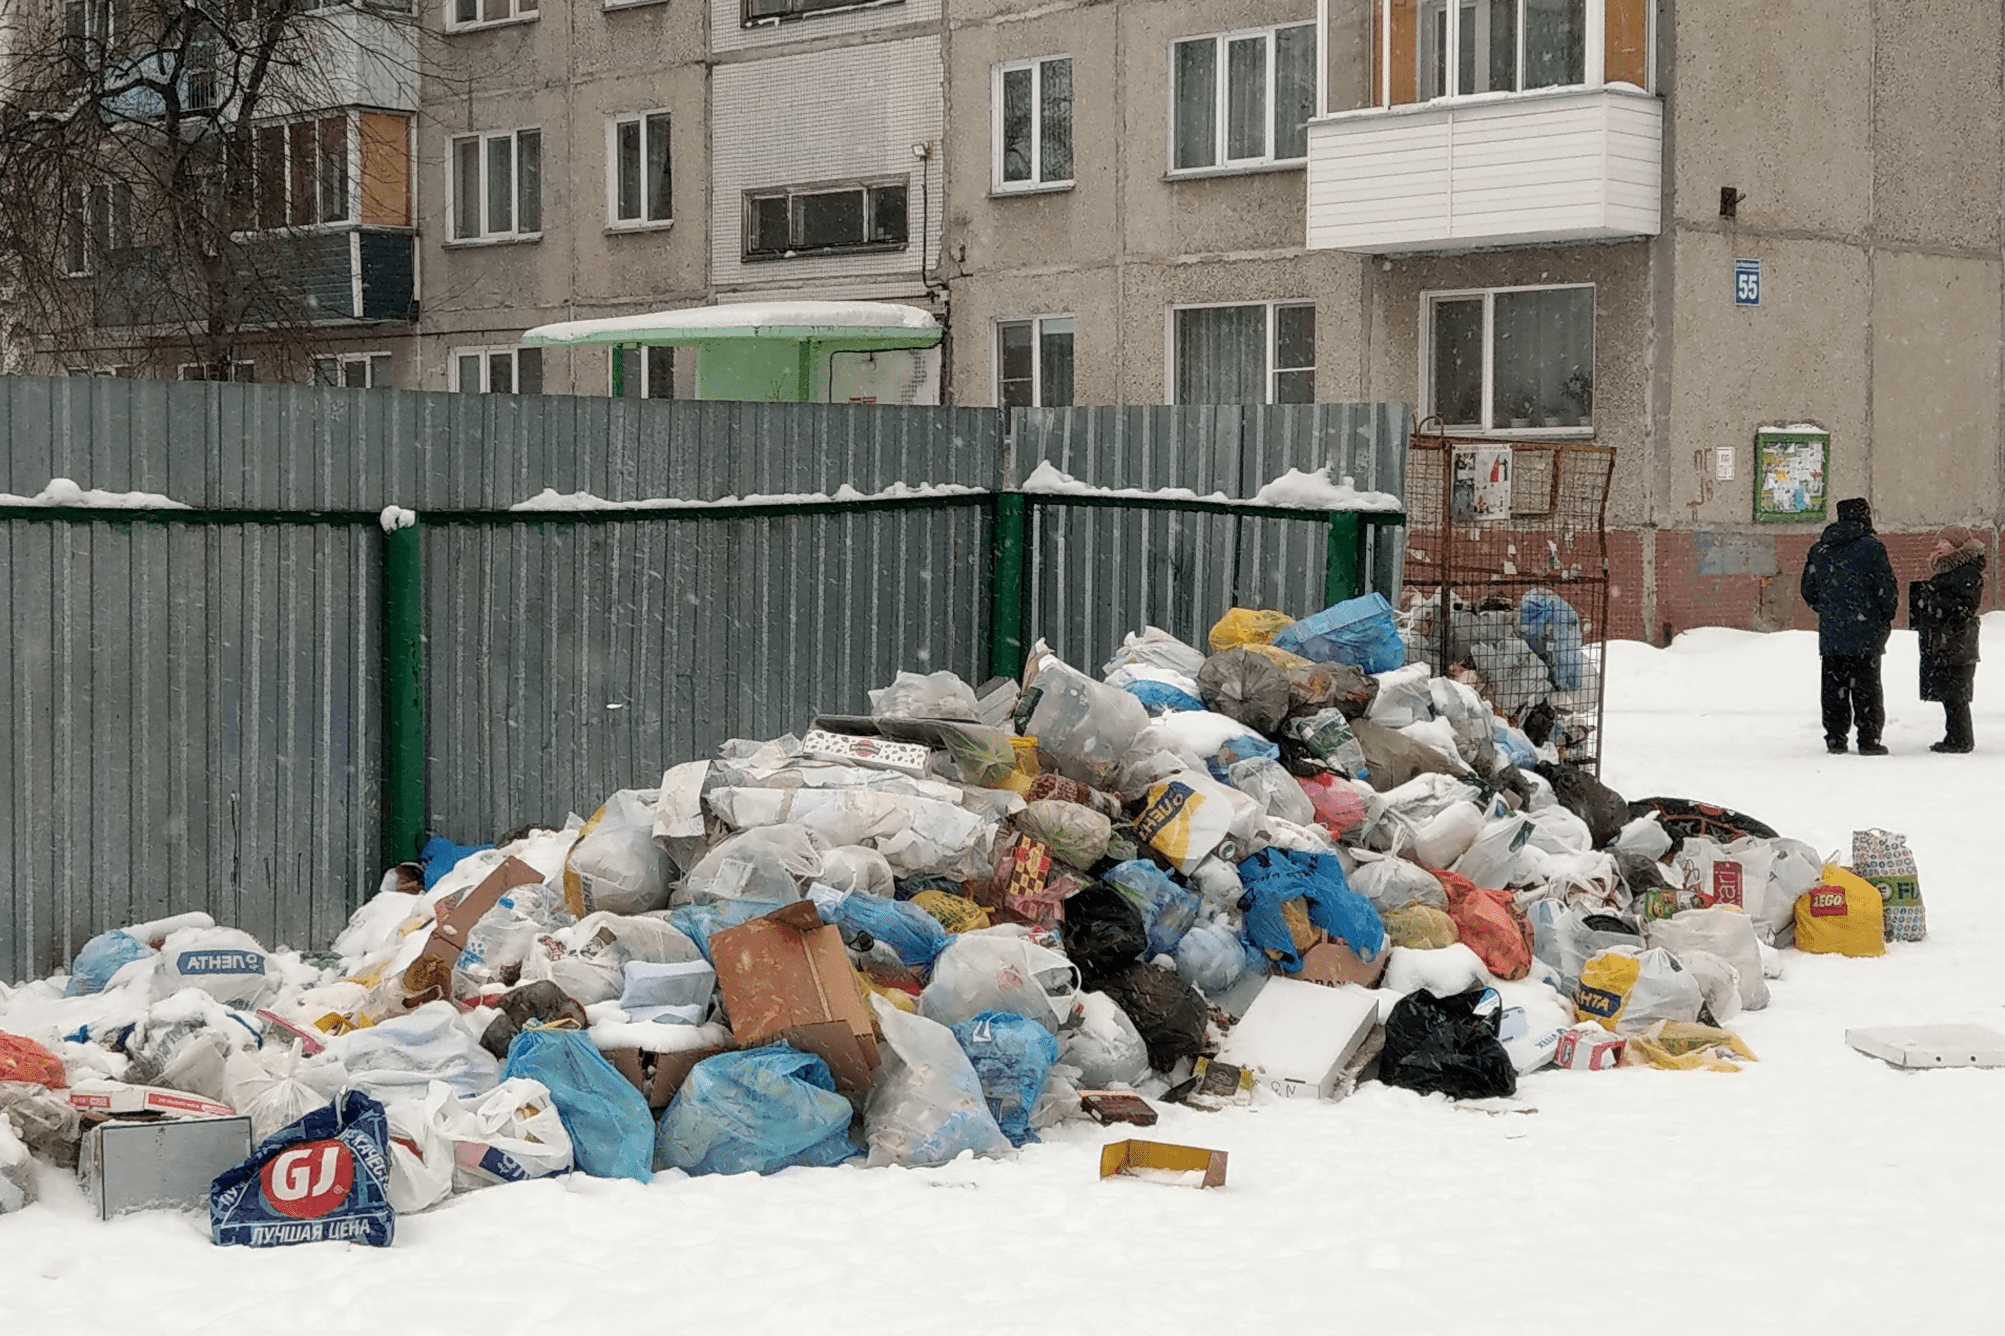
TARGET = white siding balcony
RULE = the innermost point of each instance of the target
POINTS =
(1535, 168)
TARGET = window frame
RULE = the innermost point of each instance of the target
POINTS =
(486, 236)
(518, 12)
(868, 186)
(1429, 391)
(1036, 184)
(1221, 164)
(647, 376)
(1594, 36)
(487, 352)
(615, 223)
(367, 360)
(242, 372)
(1037, 374)
(288, 174)
(796, 12)
(97, 224)
(1270, 343)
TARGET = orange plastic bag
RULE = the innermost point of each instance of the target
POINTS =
(1845, 916)
(1491, 925)
(22, 1059)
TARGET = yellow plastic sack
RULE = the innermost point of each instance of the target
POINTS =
(1280, 658)
(1421, 928)
(897, 997)
(1244, 627)
(1844, 916)
(1687, 1046)
(956, 913)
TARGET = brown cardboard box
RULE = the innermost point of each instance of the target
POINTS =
(1162, 1162)
(787, 976)
(658, 1075)
(1333, 962)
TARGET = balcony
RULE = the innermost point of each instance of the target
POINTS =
(1538, 168)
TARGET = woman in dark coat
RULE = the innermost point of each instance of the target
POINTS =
(1943, 609)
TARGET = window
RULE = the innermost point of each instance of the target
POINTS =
(244, 373)
(781, 223)
(498, 186)
(120, 372)
(1034, 124)
(300, 173)
(757, 12)
(639, 177)
(97, 223)
(484, 13)
(355, 371)
(1500, 46)
(645, 372)
(1263, 353)
(1242, 99)
(1034, 362)
(91, 28)
(498, 370)
(1509, 359)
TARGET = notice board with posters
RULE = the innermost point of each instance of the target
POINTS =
(1791, 467)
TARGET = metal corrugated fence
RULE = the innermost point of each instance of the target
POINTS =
(195, 702)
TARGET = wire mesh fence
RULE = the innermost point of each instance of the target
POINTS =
(1506, 583)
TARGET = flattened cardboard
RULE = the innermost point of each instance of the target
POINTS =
(1333, 962)
(430, 975)
(905, 757)
(659, 1075)
(1162, 1161)
(1298, 1036)
(1931, 1045)
(106, 1099)
(787, 976)
(165, 1164)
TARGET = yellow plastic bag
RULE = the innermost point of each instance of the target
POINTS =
(1844, 916)
(956, 913)
(1687, 1046)
(1280, 658)
(1421, 928)
(897, 997)
(1242, 627)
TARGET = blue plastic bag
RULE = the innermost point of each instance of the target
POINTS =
(1516, 747)
(1273, 877)
(1243, 747)
(1551, 627)
(697, 922)
(441, 855)
(1012, 1056)
(914, 934)
(611, 1127)
(1160, 697)
(755, 1111)
(1359, 631)
(326, 1176)
(1168, 909)
(103, 956)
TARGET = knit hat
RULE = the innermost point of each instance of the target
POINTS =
(1956, 536)
(1858, 510)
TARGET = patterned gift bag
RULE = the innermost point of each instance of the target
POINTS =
(1883, 858)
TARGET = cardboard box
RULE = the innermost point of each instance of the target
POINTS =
(1588, 1048)
(106, 1099)
(787, 976)
(1931, 1045)
(659, 1075)
(1332, 962)
(905, 757)
(1116, 1106)
(159, 1164)
(1298, 1036)
(1162, 1162)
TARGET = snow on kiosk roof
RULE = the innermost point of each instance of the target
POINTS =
(760, 351)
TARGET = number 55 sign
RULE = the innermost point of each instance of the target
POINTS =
(1747, 282)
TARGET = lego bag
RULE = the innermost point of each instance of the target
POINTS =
(1844, 916)
(1883, 858)
(324, 1177)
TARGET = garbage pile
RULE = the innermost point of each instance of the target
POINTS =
(1292, 863)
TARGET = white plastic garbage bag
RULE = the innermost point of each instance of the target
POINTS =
(616, 866)
(421, 1155)
(184, 1041)
(1448, 835)
(769, 864)
(1629, 989)
(1391, 882)
(275, 1086)
(1267, 782)
(1557, 830)
(1646, 836)
(941, 695)
(1154, 647)
(1106, 1048)
(860, 870)
(1403, 696)
(227, 964)
(1726, 933)
(400, 1057)
(1719, 982)
(1563, 938)
(1085, 727)
(17, 1170)
(1495, 858)
(926, 1104)
(511, 1133)
(1210, 958)
(595, 951)
(1000, 969)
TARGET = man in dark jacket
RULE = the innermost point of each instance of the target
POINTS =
(1849, 583)
(1943, 609)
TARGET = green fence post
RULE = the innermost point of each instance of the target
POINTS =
(1006, 585)
(403, 698)
(1344, 558)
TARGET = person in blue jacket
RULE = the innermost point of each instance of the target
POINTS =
(1849, 583)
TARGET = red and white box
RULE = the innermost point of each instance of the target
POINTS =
(1588, 1048)
(105, 1099)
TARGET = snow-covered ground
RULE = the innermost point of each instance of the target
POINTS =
(1818, 1191)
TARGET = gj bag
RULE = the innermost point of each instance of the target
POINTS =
(1844, 916)
(324, 1177)
(1883, 858)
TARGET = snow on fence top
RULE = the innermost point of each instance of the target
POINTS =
(62, 492)
(1293, 490)
(740, 319)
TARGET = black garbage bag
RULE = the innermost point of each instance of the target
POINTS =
(1169, 1013)
(1683, 819)
(1245, 686)
(1103, 932)
(1601, 807)
(1441, 1044)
